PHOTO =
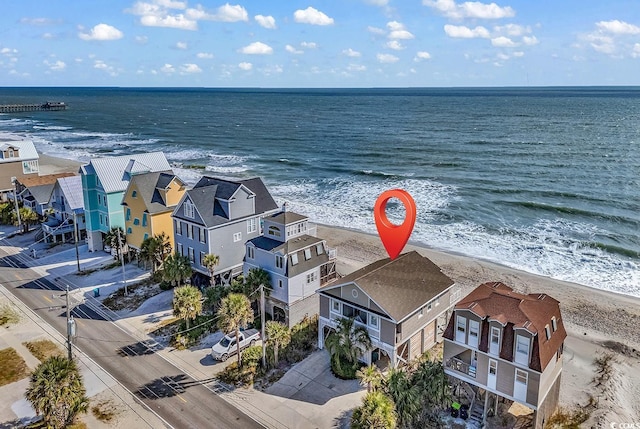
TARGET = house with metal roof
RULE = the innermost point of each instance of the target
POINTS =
(404, 304)
(297, 261)
(67, 211)
(508, 345)
(35, 191)
(104, 181)
(218, 216)
(148, 203)
(18, 159)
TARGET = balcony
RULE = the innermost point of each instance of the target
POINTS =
(461, 366)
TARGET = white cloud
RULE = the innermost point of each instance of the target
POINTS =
(462, 32)
(38, 21)
(102, 32)
(635, 53)
(309, 45)
(351, 53)
(273, 69)
(470, 9)
(178, 21)
(101, 65)
(257, 48)
(141, 39)
(55, 66)
(190, 68)
(618, 27)
(167, 68)
(387, 58)
(293, 50)
(225, 13)
(397, 30)
(182, 45)
(512, 30)
(395, 45)
(266, 21)
(245, 66)
(205, 55)
(518, 54)
(356, 67)
(377, 2)
(503, 42)
(311, 16)
(422, 55)
(530, 40)
(8, 51)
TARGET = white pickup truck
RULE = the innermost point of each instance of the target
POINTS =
(227, 345)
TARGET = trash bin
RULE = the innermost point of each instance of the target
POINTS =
(96, 292)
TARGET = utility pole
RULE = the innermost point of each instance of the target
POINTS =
(262, 322)
(124, 279)
(71, 324)
(75, 235)
(15, 200)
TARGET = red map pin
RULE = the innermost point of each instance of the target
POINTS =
(394, 237)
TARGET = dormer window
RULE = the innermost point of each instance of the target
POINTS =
(319, 249)
(294, 259)
(554, 324)
(522, 350)
(134, 194)
(11, 155)
(274, 230)
(279, 261)
(307, 254)
(547, 331)
(188, 210)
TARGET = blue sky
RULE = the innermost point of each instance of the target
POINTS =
(319, 43)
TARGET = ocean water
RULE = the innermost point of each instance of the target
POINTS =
(546, 180)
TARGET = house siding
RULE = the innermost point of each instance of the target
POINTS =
(306, 307)
(243, 205)
(387, 332)
(548, 406)
(324, 306)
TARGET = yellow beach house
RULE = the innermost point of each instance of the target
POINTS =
(148, 203)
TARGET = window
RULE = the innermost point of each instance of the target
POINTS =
(279, 261)
(522, 350)
(191, 253)
(274, 230)
(429, 307)
(134, 194)
(136, 221)
(252, 225)
(128, 216)
(105, 200)
(311, 277)
(547, 331)
(203, 235)
(307, 254)
(373, 321)
(29, 167)
(494, 345)
(202, 254)
(237, 237)
(101, 222)
(474, 328)
(251, 252)
(144, 219)
(279, 282)
(554, 324)
(11, 153)
(493, 367)
(188, 210)
(335, 306)
(190, 231)
(178, 227)
(145, 237)
(294, 259)
(521, 376)
(319, 249)
(180, 249)
(129, 230)
(461, 329)
(421, 313)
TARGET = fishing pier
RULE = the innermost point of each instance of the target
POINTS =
(48, 106)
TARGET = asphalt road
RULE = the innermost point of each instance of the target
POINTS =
(177, 398)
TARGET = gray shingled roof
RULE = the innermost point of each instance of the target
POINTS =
(206, 193)
(148, 185)
(294, 245)
(42, 193)
(115, 172)
(71, 188)
(400, 286)
(287, 218)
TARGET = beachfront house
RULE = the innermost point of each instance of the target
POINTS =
(509, 345)
(66, 211)
(35, 191)
(104, 181)
(148, 203)
(298, 264)
(217, 217)
(403, 303)
(18, 159)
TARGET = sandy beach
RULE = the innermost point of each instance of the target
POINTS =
(597, 321)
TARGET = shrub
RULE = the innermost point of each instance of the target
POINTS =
(165, 285)
(304, 340)
(8, 315)
(252, 355)
(203, 325)
(347, 370)
(238, 376)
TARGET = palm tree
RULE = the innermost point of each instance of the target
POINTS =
(405, 395)
(277, 335)
(155, 250)
(56, 391)
(187, 303)
(255, 278)
(376, 412)
(176, 269)
(211, 261)
(370, 376)
(431, 380)
(347, 342)
(234, 313)
(28, 218)
(115, 239)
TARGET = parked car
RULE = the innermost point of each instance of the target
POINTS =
(227, 345)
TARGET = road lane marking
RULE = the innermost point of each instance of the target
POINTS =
(47, 298)
(181, 398)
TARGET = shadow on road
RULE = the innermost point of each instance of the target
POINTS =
(141, 348)
(168, 386)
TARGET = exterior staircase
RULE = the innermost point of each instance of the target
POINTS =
(475, 413)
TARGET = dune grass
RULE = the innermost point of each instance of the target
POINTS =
(43, 349)
(12, 366)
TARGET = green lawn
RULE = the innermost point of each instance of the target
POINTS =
(12, 366)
